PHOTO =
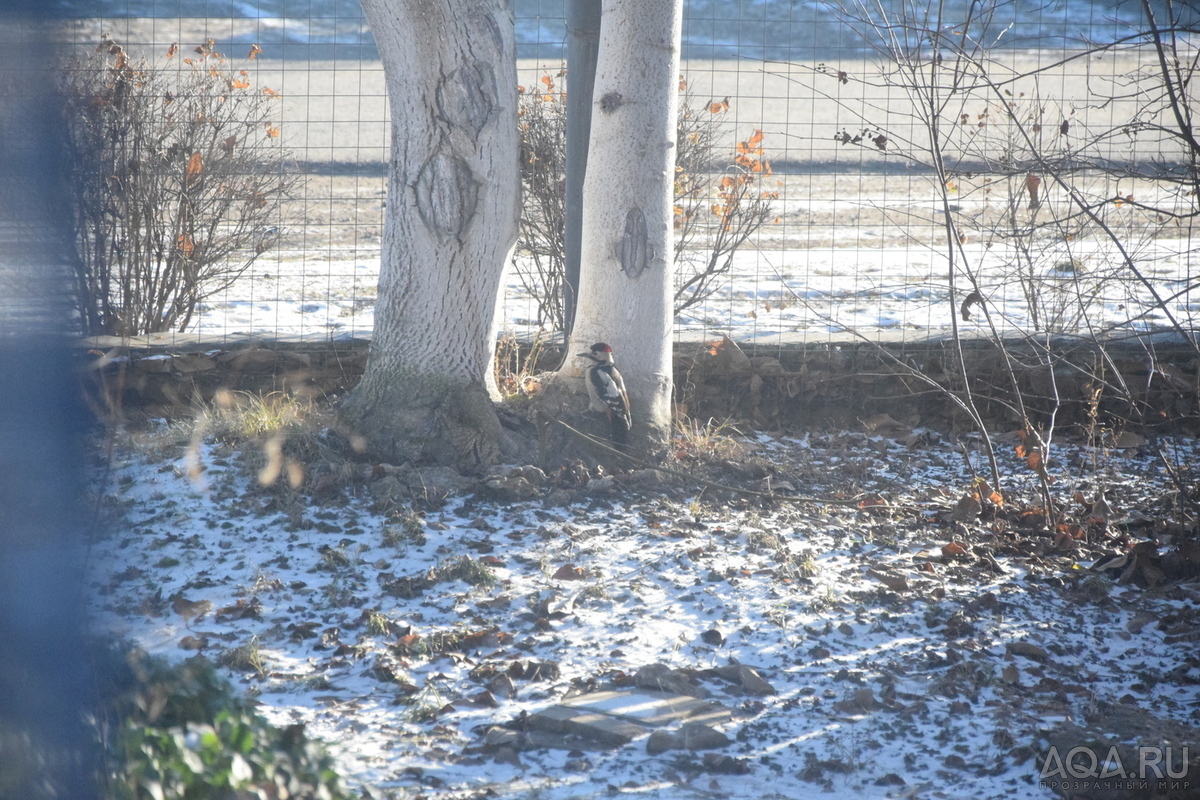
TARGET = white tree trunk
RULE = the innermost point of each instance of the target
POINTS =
(451, 220)
(626, 273)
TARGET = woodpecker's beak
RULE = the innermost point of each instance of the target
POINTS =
(583, 355)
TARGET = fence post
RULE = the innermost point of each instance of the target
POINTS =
(583, 40)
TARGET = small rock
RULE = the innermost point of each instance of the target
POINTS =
(664, 679)
(601, 485)
(192, 363)
(254, 359)
(1026, 649)
(646, 478)
(717, 764)
(389, 489)
(766, 365)
(662, 741)
(692, 736)
(559, 497)
(1140, 620)
(502, 686)
(726, 358)
(698, 736)
(748, 678)
(507, 755)
(713, 637)
(514, 483)
(542, 671)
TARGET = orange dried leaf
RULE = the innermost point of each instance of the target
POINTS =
(173, 49)
(272, 131)
(195, 167)
(954, 549)
(185, 244)
(254, 51)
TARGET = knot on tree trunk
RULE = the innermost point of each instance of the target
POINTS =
(447, 193)
(634, 251)
(465, 97)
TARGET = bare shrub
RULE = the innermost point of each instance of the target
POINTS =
(720, 199)
(178, 176)
(1072, 203)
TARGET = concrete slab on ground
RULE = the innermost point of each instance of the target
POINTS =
(618, 717)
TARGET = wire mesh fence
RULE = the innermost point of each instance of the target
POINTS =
(1006, 166)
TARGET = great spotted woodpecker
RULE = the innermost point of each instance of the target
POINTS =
(606, 389)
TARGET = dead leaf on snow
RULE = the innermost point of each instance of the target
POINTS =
(952, 549)
(968, 508)
(569, 572)
(897, 583)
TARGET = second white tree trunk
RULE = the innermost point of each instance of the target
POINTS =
(626, 278)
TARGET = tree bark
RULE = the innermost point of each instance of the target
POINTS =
(428, 391)
(625, 290)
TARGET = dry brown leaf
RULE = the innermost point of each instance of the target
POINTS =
(194, 167)
(952, 549)
(569, 572)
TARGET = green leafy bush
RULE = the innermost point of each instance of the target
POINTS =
(180, 731)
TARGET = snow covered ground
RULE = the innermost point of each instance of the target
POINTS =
(901, 667)
(861, 252)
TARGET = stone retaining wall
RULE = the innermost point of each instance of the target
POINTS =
(845, 384)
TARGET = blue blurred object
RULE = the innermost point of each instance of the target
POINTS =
(45, 683)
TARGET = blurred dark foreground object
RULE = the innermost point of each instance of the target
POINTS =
(44, 675)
